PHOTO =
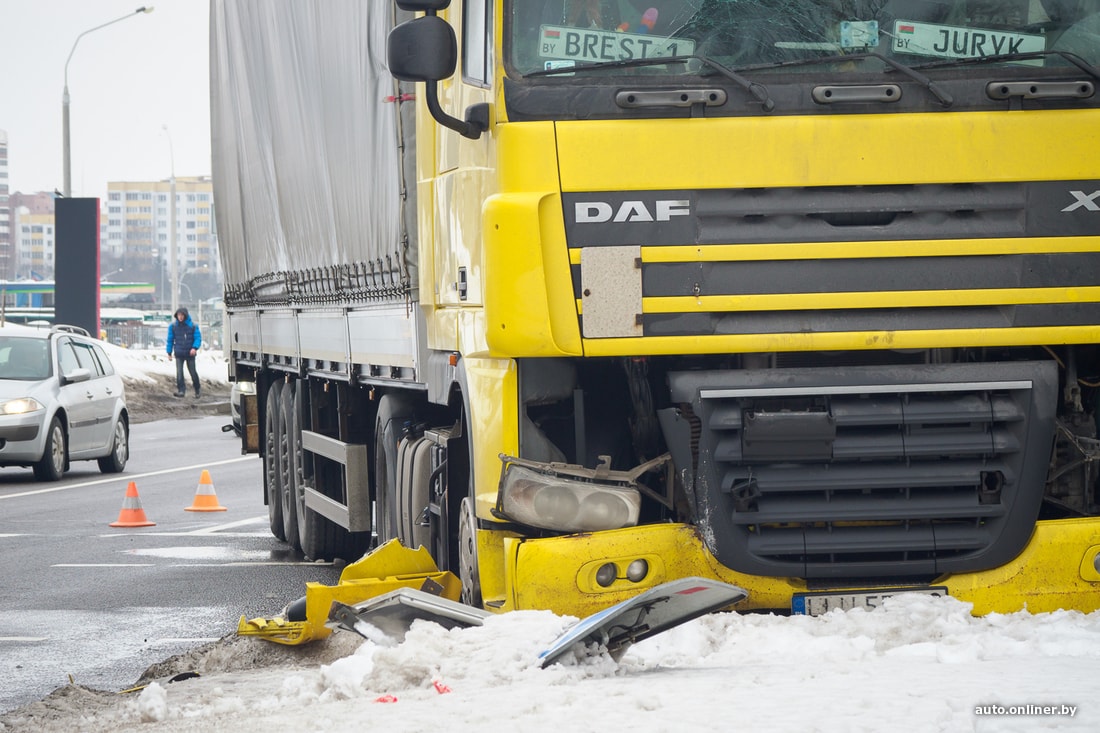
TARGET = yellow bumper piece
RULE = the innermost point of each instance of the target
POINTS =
(1058, 569)
(382, 570)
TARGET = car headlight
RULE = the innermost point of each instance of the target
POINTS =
(21, 406)
(246, 387)
(565, 498)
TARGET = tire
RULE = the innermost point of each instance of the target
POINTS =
(290, 444)
(115, 461)
(51, 467)
(314, 531)
(468, 571)
(272, 437)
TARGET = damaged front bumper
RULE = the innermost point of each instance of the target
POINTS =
(1058, 569)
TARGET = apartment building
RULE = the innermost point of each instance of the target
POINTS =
(136, 233)
(5, 212)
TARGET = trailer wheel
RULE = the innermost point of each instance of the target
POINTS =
(309, 525)
(290, 444)
(468, 571)
(272, 438)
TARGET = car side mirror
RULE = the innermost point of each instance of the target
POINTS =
(425, 49)
(76, 375)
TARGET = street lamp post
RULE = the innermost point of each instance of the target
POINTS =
(172, 224)
(65, 98)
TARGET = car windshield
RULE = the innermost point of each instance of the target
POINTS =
(24, 358)
(595, 36)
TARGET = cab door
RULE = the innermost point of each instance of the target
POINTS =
(461, 175)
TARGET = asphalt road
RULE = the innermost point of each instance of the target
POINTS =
(99, 604)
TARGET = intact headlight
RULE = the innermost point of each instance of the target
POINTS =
(246, 387)
(21, 406)
(550, 500)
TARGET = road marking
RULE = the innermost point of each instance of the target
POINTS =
(23, 638)
(131, 477)
(229, 525)
(103, 565)
(195, 533)
(216, 529)
(238, 564)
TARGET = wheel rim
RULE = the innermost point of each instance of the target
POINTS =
(122, 448)
(57, 449)
(467, 554)
(298, 468)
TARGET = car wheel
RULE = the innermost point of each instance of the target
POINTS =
(115, 461)
(51, 467)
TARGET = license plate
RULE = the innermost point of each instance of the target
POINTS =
(591, 45)
(816, 604)
(960, 42)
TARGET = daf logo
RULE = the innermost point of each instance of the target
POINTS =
(596, 212)
(1087, 201)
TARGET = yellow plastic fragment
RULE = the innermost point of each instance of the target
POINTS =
(384, 569)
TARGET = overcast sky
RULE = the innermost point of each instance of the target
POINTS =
(126, 82)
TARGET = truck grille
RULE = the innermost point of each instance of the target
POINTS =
(865, 471)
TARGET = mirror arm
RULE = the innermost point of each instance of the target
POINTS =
(468, 128)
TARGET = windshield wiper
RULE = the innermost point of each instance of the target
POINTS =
(1073, 58)
(756, 89)
(619, 64)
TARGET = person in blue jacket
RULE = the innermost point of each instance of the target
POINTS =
(183, 342)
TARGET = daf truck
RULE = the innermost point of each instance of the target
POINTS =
(588, 295)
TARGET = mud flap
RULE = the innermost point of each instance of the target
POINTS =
(380, 571)
(658, 609)
(414, 473)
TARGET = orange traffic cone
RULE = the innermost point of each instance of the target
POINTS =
(132, 515)
(205, 498)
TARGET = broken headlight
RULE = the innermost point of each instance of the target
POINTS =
(567, 498)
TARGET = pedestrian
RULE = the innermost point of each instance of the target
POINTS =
(183, 342)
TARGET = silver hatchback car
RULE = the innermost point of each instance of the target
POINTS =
(60, 401)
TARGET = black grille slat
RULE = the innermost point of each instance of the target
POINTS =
(860, 476)
(870, 471)
(926, 507)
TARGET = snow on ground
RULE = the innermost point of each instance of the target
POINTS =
(916, 664)
(144, 365)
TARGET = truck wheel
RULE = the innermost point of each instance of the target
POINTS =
(288, 466)
(468, 571)
(310, 527)
(393, 411)
(272, 485)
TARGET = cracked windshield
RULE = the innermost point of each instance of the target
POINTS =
(570, 37)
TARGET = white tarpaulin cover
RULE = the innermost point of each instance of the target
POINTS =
(307, 171)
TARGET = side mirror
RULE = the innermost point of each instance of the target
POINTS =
(425, 49)
(423, 6)
(76, 375)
